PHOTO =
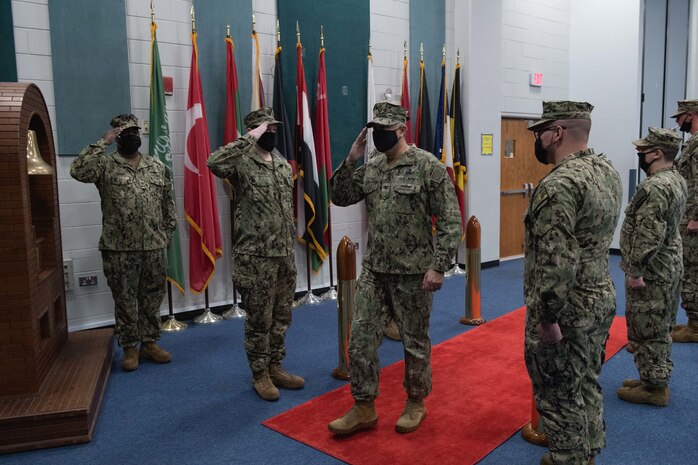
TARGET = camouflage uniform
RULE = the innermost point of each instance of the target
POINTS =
(569, 227)
(400, 199)
(265, 269)
(650, 245)
(138, 219)
(687, 165)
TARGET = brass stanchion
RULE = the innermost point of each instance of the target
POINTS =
(472, 282)
(172, 325)
(346, 274)
(533, 431)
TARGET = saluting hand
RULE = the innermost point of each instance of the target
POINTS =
(358, 148)
(258, 131)
(110, 136)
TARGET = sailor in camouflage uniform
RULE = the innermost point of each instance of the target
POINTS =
(403, 265)
(687, 117)
(650, 244)
(138, 220)
(265, 268)
(568, 291)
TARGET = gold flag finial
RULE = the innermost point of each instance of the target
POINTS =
(152, 12)
(322, 37)
(458, 57)
(443, 53)
(193, 20)
(298, 33)
(254, 23)
(421, 51)
(278, 34)
(404, 50)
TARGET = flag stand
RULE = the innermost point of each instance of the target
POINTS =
(331, 293)
(172, 325)
(456, 270)
(208, 317)
(309, 298)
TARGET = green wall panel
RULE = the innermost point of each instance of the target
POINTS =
(90, 69)
(8, 59)
(427, 26)
(347, 28)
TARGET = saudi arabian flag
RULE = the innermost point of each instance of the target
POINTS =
(159, 146)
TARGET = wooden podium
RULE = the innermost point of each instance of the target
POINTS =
(51, 382)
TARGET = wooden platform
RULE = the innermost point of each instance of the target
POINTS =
(66, 407)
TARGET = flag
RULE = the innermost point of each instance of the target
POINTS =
(459, 166)
(200, 205)
(422, 129)
(309, 227)
(405, 97)
(159, 146)
(257, 87)
(323, 153)
(371, 101)
(233, 114)
(284, 143)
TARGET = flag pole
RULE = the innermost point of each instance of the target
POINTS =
(457, 270)
(331, 293)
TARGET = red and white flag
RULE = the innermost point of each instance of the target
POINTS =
(200, 204)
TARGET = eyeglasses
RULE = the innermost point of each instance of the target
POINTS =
(537, 134)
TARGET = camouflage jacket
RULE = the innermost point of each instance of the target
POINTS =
(650, 240)
(263, 198)
(138, 209)
(400, 200)
(687, 165)
(569, 227)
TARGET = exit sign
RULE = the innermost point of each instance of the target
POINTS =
(536, 79)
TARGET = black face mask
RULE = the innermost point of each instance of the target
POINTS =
(541, 153)
(686, 125)
(643, 164)
(384, 140)
(267, 141)
(128, 144)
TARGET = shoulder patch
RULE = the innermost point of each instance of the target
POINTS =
(437, 173)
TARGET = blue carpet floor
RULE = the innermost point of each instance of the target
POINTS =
(201, 409)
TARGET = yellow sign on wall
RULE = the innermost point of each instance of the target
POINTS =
(486, 144)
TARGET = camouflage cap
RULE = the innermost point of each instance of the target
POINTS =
(257, 117)
(685, 106)
(124, 121)
(387, 114)
(562, 109)
(661, 138)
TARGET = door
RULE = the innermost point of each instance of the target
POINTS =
(520, 174)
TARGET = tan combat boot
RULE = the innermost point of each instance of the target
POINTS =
(152, 351)
(130, 361)
(361, 416)
(644, 395)
(263, 386)
(412, 416)
(632, 383)
(391, 331)
(688, 333)
(283, 379)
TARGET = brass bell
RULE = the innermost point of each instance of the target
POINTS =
(35, 162)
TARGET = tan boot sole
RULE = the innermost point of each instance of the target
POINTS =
(359, 427)
(409, 429)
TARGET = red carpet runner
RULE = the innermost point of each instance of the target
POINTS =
(481, 396)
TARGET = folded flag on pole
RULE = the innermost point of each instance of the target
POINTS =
(323, 153)
(310, 229)
(233, 113)
(443, 149)
(370, 102)
(200, 204)
(423, 136)
(459, 163)
(405, 96)
(159, 146)
(257, 87)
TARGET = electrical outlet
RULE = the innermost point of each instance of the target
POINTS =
(68, 275)
(145, 127)
(88, 281)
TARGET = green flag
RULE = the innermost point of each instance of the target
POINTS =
(159, 146)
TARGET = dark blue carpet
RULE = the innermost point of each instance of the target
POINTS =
(201, 409)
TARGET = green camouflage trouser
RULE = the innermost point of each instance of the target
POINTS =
(566, 387)
(689, 291)
(650, 313)
(379, 298)
(137, 283)
(266, 286)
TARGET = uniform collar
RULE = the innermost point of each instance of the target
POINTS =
(407, 158)
(666, 168)
(145, 161)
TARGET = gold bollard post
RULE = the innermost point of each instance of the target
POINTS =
(346, 277)
(533, 431)
(472, 281)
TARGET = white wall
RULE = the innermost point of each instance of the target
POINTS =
(535, 38)
(610, 80)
